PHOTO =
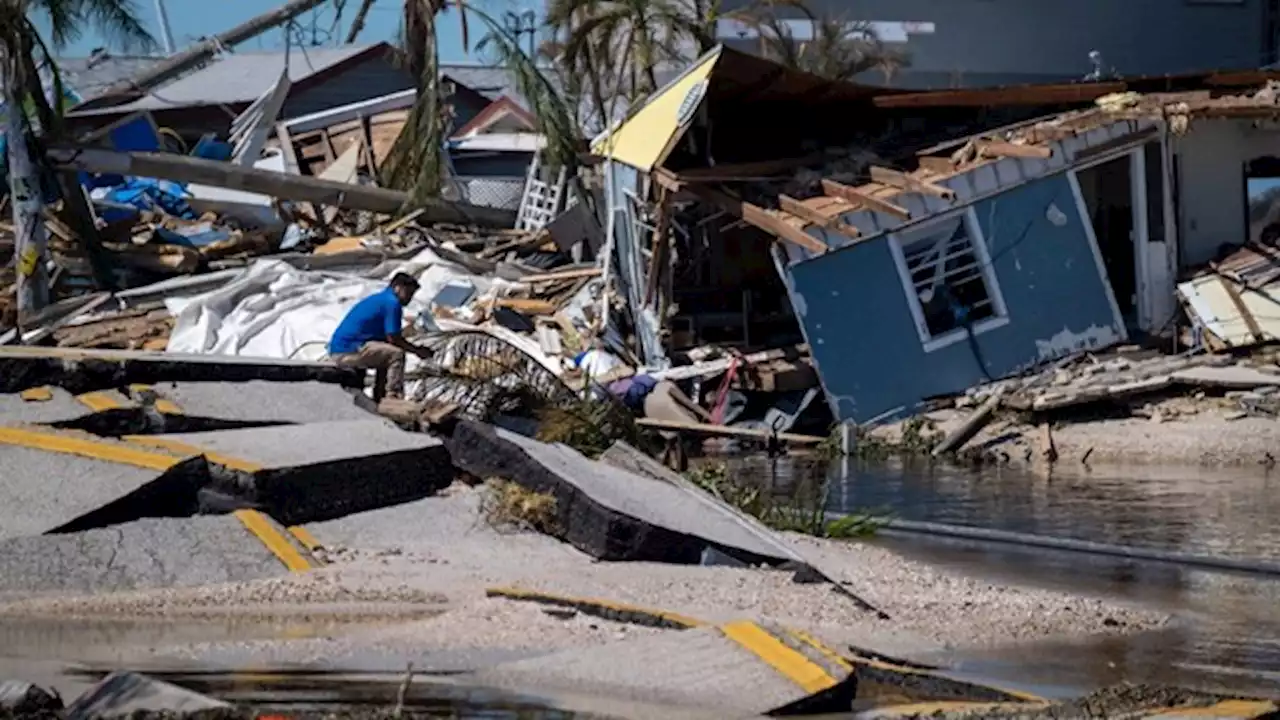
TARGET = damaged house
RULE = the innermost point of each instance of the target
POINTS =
(914, 269)
(1030, 244)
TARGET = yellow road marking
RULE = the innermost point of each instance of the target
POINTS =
(96, 450)
(100, 401)
(39, 394)
(791, 664)
(588, 604)
(829, 653)
(162, 404)
(305, 537)
(178, 446)
(276, 542)
(1241, 709)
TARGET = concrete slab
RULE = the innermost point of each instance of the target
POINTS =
(738, 669)
(121, 694)
(81, 370)
(46, 491)
(317, 471)
(625, 457)
(144, 554)
(301, 402)
(608, 512)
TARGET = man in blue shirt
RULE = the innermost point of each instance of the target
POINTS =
(370, 338)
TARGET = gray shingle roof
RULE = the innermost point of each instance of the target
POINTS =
(238, 77)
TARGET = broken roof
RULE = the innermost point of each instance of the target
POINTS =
(954, 173)
(647, 135)
(242, 77)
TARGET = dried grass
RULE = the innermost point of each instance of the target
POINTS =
(509, 506)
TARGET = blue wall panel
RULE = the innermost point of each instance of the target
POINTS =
(856, 316)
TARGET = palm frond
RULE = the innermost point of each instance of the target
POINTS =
(117, 21)
(555, 120)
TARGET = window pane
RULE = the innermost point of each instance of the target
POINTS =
(948, 279)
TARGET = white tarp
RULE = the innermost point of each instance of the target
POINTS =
(275, 310)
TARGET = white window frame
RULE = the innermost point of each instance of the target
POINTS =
(919, 232)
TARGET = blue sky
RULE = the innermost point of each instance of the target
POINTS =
(190, 19)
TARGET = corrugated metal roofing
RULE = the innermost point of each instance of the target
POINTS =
(88, 76)
(239, 77)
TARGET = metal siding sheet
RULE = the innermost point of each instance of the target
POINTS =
(1215, 309)
(642, 138)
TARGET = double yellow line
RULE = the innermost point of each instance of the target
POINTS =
(129, 453)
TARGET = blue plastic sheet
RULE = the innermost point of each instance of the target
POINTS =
(147, 194)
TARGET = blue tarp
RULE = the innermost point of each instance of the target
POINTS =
(147, 194)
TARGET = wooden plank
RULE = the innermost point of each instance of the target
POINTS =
(903, 181)
(939, 165)
(563, 275)
(856, 195)
(970, 427)
(999, 148)
(1233, 292)
(835, 222)
(760, 218)
(526, 305)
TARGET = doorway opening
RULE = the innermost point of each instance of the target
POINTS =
(1107, 189)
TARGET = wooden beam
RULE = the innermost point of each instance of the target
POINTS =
(903, 181)
(854, 195)
(183, 168)
(788, 204)
(939, 165)
(760, 218)
(999, 148)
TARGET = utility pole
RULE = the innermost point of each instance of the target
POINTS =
(200, 52)
(166, 33)
(30, 240)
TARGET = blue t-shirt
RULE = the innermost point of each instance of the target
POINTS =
(373, 318)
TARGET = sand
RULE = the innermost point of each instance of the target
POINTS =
(439, 555)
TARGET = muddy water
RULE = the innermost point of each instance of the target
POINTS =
(1228, 630)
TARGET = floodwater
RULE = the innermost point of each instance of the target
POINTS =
(1227, 635)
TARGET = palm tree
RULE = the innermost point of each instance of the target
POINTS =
(415, 163)
(622, 43)
(24, 54)
(838, 49)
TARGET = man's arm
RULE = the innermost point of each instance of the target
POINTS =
(394, 322)
(399, 341)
